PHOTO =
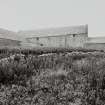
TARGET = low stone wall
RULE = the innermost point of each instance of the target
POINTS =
(97, 46)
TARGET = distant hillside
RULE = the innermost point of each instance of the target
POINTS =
(9, 34)
(9, 38)
(9, 43)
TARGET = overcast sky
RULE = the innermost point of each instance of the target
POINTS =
(34, 14)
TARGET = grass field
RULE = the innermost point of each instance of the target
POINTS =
(70, 77)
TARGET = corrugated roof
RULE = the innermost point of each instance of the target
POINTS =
(55, 31)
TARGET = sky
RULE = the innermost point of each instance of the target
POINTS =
(19, 15)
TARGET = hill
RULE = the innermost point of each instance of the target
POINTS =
(9, 38)
(9, 34)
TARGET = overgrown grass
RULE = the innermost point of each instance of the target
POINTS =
(53, 79)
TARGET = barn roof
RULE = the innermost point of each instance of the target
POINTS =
(55, 31)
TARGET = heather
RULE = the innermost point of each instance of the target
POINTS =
(68, 77)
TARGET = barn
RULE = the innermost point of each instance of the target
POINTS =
(74, 36)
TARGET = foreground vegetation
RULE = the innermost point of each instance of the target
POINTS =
(64, 78)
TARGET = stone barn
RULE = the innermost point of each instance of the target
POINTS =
(74, 36)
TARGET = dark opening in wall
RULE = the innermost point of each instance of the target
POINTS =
(37, 38)
(41, 44)
(73, 35)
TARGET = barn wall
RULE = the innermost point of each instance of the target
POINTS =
(49, 41)
(59, 41)
(56, 41)
(76, 41)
